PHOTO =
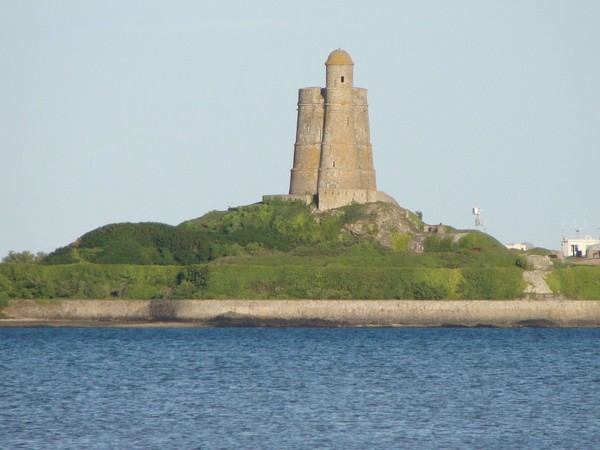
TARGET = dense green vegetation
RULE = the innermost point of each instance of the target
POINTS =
(143, 243)
(275, 251)
(25, 257)
(86, 280)
(240, 231)
(576, 282)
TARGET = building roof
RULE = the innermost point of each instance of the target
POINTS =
(339, 57)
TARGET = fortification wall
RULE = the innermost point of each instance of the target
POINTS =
(502, 313)
(336, 198)
(307, 199)
(339, 168)
(380, 196)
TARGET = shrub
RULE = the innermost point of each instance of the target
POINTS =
(400, 241)
(523, 263)
(197, 276)
(142, 243)
(437, 243)
(353, 213)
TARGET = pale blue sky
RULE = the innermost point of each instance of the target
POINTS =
(129, 111)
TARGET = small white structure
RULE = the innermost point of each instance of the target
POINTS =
(578, 246)
(478, 220)
(523, 246)
(593, 251)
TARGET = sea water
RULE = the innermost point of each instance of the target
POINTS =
(299, 388)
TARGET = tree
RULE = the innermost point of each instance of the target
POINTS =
(25, 257)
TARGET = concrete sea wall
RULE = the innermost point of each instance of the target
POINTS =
(500, 313)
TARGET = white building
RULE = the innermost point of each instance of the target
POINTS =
(523, 246)
(578, 246)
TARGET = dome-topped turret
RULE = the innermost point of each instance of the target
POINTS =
(339, 57)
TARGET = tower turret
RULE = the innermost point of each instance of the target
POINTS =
(307, 149)
(339, 70)
(363, 140)
(339, 168)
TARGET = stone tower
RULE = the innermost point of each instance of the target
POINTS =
(333, 157)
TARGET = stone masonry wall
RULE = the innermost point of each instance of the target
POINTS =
(307, 149)
(560, 313)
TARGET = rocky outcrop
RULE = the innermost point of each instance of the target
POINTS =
(538, 262)
(381, 221)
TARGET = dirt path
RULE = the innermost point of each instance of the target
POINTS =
(536, 283)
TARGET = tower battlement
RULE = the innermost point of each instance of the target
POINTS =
(333, 155)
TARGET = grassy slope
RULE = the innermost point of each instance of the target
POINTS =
(576, 282)
(278, 250)
(86, 280)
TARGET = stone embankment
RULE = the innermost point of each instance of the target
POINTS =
(387, 313)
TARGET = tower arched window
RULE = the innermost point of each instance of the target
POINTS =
(342, 78)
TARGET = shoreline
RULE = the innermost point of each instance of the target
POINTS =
(549, 312)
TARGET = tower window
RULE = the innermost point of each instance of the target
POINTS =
(342, 79)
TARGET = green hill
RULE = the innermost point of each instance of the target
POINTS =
(262, 230)
(275, 250)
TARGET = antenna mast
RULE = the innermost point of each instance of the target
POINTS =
(478, 220)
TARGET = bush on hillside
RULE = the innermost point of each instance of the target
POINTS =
(142, 243)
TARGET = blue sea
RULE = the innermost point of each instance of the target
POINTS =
(188, 388)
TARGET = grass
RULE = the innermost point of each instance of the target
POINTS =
(279, 250)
